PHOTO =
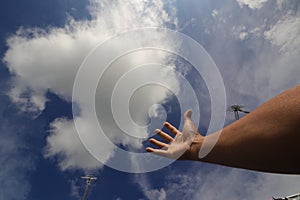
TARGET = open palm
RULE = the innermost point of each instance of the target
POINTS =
(182, 146)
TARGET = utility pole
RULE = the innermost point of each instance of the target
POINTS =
(89, 179)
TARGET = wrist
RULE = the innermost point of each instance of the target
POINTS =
(194, 150)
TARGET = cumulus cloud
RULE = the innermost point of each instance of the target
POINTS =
(263, 62)
(47, 61)
(65, 143)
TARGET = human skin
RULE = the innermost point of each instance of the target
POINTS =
(267, 139)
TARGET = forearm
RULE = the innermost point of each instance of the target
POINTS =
(267, 139)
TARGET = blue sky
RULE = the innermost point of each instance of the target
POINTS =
(255, 45)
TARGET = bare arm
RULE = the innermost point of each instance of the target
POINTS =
(267, 139)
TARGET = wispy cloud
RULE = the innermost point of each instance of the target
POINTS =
(256, 54)
(239, 184)
(253, 4)
(16, 163)
(150, 193)
(254, 50)
(223, 183)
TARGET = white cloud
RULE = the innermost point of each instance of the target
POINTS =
(280, 3)
(284, 36)
(239, 184)
(254, 70)
(182, 185)
(240, 32)
(256, 52)
(243, 35)
(253, 4)
(64, 142)
(47, 60)
(227, 183)
(214, 13)
(75, 190)
(150, 193)
(34, 102)
(156, 194)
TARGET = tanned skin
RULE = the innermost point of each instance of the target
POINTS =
(267, 139)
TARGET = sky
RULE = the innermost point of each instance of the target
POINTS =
(51, 99)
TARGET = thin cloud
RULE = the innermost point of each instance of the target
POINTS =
(253, 4)
(16, 163)
(254, 70)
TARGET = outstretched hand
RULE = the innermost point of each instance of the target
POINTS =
(185, 144)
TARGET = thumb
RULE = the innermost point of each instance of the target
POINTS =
(189, 129)
(188, 114)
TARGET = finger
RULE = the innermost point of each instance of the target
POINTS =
(158, 143)
(171, 128)
(149, 149)
(164, 136)
(158, 152)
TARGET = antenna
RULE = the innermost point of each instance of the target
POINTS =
(89, 179)
(236, 109)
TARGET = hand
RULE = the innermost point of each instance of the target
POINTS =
(184, 146)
